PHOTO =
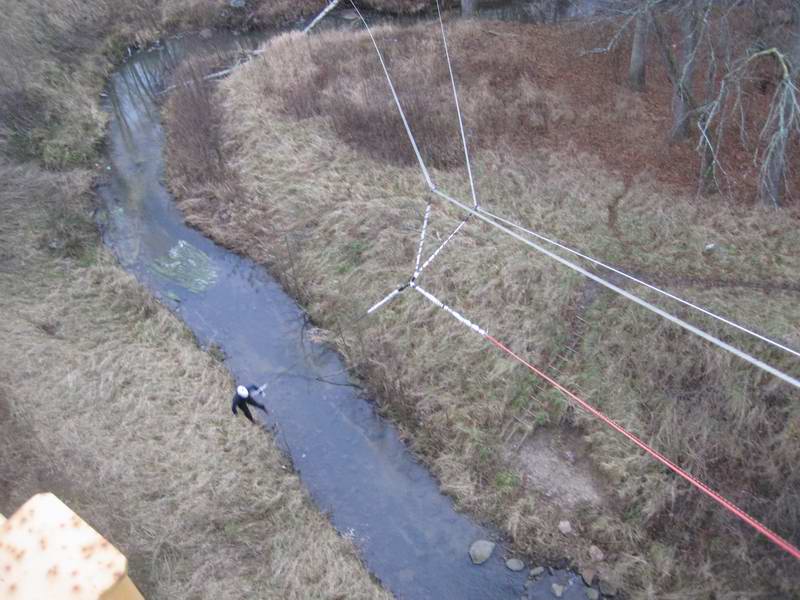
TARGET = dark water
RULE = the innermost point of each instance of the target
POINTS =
(352, 461)
(544, 11)
(524, 11)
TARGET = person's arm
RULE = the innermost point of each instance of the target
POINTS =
(254, 391)
(233, 405)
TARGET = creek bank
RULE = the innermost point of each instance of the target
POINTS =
(353, 463)
(96, 338)
(284, 266)
(479, 553)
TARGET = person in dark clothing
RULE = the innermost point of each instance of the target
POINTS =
(243, 397)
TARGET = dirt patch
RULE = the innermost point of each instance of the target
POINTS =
(556, 464)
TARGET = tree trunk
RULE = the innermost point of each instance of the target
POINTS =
(682, 87)
(636, 72)
(469, 7)
(708, 167)
(772, 186)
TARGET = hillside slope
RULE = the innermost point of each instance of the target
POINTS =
(319, 183)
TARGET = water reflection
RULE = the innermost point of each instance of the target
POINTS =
(544, 11)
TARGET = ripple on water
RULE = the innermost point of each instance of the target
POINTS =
(187, 266)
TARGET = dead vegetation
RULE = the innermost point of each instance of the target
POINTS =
(252, 14)
(351, 93)
(734, 87)
(327, 186)
(256, 14)
(55, 57)
(106, 400)
(57, 54)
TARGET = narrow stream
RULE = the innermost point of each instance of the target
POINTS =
(351, 460)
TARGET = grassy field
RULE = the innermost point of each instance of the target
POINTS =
(318, 171)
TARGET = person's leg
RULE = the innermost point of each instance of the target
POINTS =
(256, 403)
(246, 412)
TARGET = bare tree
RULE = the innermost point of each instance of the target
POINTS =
(637, 70)
(734, 38)
(642, 15)
(782, 122)
(469, 7)
(682, 104)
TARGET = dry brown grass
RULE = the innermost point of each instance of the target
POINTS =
(258, 13)
(106, 400)
(332, 196)
(56, 55)
(199, 125)
(350, 91)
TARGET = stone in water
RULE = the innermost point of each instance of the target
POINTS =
(480, 551)
(515, 564)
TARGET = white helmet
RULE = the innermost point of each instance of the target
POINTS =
(242, 391)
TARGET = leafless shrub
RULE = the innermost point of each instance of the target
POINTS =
(737, 100)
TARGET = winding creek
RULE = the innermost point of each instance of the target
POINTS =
(352, 461)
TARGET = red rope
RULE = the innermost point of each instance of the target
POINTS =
(722, 501)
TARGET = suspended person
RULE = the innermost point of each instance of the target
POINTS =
(243, 397)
